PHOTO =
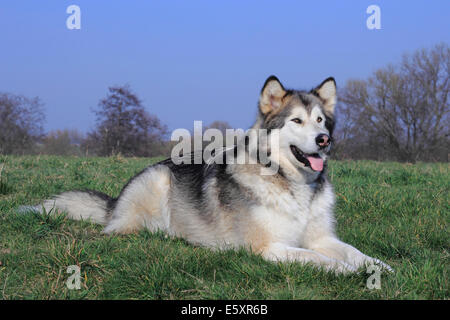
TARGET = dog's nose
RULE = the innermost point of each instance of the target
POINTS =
(323, 140)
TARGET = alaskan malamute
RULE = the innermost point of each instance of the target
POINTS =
(286, 216)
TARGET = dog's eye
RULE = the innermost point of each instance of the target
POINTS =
(319, 119)
(297, 120)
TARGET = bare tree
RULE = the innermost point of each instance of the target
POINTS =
(62, 142)
(21, 123)
(401, 112)
(124, 126)
(220, 125)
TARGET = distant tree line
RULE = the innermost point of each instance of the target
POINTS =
(123, 126)
(400, 113)
(21, 123)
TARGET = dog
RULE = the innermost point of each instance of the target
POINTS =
(285, 216)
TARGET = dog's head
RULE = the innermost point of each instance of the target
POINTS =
(303, 120)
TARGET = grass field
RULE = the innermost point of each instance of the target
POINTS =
(396, 212)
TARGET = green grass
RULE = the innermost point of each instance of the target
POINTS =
(396, 212)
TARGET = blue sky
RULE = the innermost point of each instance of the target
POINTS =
(199, 60)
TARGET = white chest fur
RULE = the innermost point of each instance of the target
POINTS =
(284, 212)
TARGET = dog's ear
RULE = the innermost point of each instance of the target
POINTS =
(327, 92)
(272, 95)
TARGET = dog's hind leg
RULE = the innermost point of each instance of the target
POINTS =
(143, 203)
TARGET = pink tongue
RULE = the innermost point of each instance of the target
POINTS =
(316, 163)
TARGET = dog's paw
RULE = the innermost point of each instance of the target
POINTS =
(341, 267)
(381, 264)
(368, 261)
(363, 261)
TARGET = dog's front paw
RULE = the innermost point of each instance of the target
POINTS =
(381, 264)
(341, 267)
(361, 260)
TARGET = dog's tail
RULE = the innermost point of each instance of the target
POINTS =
(79, 205)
